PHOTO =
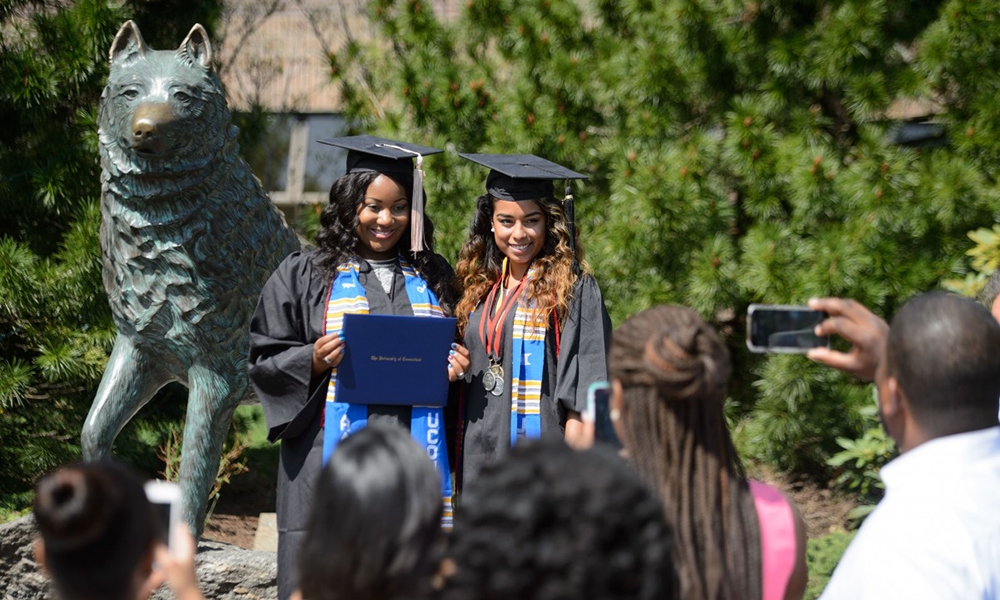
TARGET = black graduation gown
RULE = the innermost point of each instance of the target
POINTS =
(585, 338)
(289, 318)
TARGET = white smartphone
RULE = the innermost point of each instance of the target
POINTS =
(167, 502)
(783, 328)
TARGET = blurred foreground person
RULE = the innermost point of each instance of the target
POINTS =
(98, 537)
(735, 539)
(550, 523)
(375, 526)
(936, 533)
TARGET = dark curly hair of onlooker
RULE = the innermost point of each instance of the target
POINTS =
(337, 239)
(375, 526)
(552, 523)
(98, 531)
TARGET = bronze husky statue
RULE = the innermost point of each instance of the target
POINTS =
(188, 237)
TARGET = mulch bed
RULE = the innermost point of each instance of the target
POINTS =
(823, 510)
(243, 499)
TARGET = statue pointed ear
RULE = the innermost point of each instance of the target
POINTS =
(127, 43)
(196, 47)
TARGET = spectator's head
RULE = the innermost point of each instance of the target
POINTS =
(376, 521)
(97, 531)
(990, 295)
(549, 522)
(941, 373)
(669, 372)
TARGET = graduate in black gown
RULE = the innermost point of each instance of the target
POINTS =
(369, 224)
(523, 272)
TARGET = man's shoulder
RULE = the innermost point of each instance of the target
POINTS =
(921, 547)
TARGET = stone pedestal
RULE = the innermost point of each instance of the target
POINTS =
(266, 537)
(225, 572)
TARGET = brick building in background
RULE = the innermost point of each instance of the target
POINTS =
(273, 54)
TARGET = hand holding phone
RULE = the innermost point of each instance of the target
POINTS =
(858, 325)
(784, 328)
(175, 567)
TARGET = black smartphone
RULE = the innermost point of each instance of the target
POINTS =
(783, 328)
(598, 401)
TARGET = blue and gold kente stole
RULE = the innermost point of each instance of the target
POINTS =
(527, 361)
(347, 295)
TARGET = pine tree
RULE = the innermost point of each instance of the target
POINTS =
(739, 151)
(55, 324)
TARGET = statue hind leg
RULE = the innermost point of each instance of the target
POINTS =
(130, 380)
(212, 398)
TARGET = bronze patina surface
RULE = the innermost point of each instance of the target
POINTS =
(188, 238)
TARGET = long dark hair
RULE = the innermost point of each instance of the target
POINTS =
(337, 239)
(480, 262)
(97, 527)
(673, 370)
(375, 528)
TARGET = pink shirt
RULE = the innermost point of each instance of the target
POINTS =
(777, 539)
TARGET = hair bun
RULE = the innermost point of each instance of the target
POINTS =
(683, 361)
(71, 507)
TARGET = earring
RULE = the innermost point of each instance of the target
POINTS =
(493, 230)
(615, 414)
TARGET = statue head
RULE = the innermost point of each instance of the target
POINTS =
(162, 111)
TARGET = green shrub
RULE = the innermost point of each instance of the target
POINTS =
(860, 461)
(738, 152)
(822, 556)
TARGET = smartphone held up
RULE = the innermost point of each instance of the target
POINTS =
(166, 500)
(784, 328)
(599, 412)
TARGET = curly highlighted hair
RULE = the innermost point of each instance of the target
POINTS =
(337, 239)
(480, 263)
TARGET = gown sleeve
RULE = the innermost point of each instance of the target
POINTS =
(281, 339)
(584, 342)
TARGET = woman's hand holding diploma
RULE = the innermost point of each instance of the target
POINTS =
(458, 362)
(327, 353)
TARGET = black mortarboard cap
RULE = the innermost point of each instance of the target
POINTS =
(381, 155)
(520, 176)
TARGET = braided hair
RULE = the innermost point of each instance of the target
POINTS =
(673, 371)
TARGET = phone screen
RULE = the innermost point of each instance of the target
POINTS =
(604, 430)
(161, 510)
(784, 328)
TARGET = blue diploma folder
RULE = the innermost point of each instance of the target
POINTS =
(395, 360)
